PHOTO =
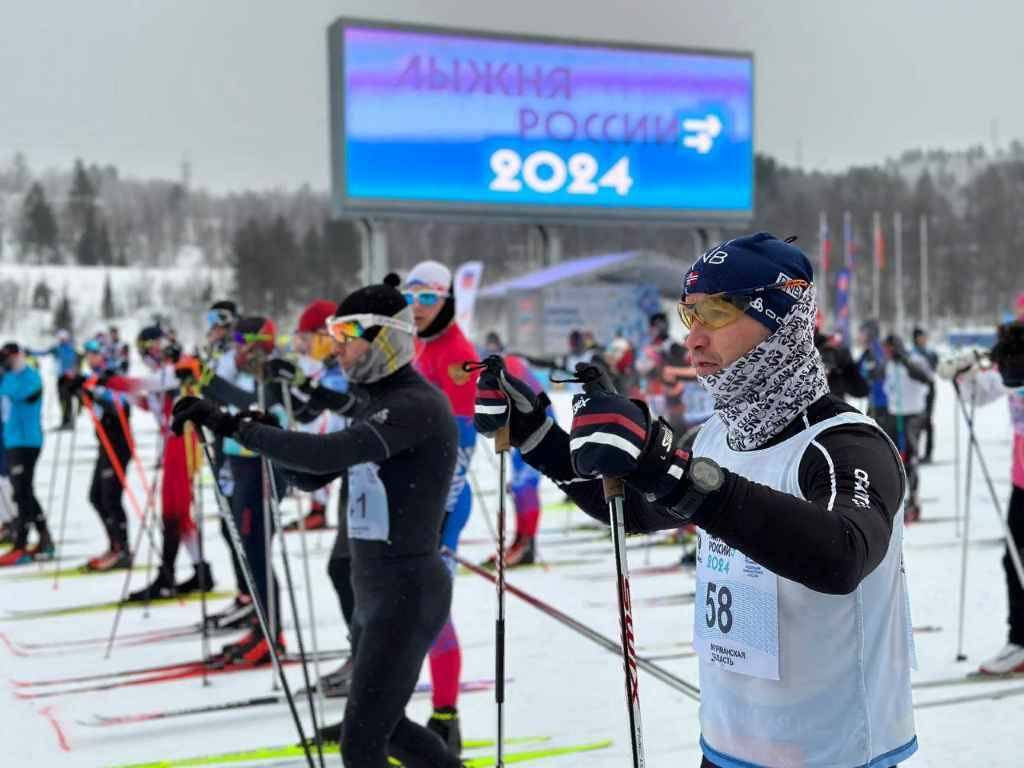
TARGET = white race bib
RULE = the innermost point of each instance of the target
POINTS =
(367, 504)
(736, 618)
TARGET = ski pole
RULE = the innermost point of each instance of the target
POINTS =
(1011, 545)
(194, 462)
(290, 413)
(496, 365)
(960, 655)
(250, 583)
(614, 493)
(75, 408)
(501, 446)
(270, 499)
(53, 473)
(956, 467)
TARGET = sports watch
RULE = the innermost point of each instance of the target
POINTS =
(705, 478)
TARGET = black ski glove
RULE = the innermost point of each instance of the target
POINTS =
(206, 413)
(502, 399)
(284, 371)
(326, 399)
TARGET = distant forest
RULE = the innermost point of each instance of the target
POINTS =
(285, 249)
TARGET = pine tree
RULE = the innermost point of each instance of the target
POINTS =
(38, 227)
(63, 317)
(87, 248)
(107, 309)
(80, 212)
(104, 249)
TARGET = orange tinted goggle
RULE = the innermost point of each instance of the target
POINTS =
(345, 328)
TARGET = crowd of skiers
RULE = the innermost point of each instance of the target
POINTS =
(371, 395)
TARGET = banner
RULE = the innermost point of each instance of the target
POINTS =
(842, 326)
(435, 120)
(467, 285)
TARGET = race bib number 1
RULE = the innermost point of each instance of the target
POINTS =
(736, 620)
(367, 504)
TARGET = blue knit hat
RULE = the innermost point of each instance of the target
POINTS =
(753, 261)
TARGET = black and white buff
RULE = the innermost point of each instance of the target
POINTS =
(765, 389)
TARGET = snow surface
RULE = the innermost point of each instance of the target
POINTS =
(563, 685)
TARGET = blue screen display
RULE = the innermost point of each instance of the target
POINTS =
(448, 121)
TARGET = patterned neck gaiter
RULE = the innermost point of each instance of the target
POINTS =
(764, 390)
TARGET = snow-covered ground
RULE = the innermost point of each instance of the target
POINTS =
(563, 685)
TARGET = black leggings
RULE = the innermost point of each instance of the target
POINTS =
(1013, 587)
(339, 566)
(247, 511)
(105, 497)
(401, 605)
(21, 466)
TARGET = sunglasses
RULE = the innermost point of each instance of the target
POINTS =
(347, 327)
(250, 338)
(425, 298)
(720, 309)
(219, 318)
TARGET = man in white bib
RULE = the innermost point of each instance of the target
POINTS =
(802, 619)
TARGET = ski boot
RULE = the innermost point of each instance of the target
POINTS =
(329, 734)
(252, 650)
(315, 520)
(43, 550)
(162, 586)
(445, 723)
(522, 552)
(239, 615)
(336, 684)
(1009, 661)
(16, 556)
(201, 580)
(111, 560)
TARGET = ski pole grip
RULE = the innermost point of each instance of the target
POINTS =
(613, 487)
(502, 439)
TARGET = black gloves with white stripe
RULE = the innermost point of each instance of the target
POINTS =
(502, 399)
(613, 436)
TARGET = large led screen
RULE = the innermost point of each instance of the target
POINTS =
(437, 121)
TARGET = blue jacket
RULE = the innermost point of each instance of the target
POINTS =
(65, 355)
(21, 400)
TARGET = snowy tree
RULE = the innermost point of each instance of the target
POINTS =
(107, 309)
(38, 234)
(63, 317)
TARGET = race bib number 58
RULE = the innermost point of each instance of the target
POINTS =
(736, 623)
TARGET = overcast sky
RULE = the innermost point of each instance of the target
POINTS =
(240, 86)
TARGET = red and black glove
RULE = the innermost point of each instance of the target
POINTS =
(613, 436)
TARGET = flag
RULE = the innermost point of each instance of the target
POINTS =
(826, 245)
(848, 240)
(879, 243)
(467, 284)
(842, 324)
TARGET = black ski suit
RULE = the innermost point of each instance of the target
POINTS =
(400, 454)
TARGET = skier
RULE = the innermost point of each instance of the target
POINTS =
(320, 404)
(399, 453)
(801, 625)
(525, 480)
(118, 353)
(931, 357)
(657, 362)
(67, 361)
(441, 350)
(311, 342)
(984, 386)
(105, 391)
(872, 367)
(242, 479)
(157, 393)
(907, 382)
(844, 375)
(21, 398)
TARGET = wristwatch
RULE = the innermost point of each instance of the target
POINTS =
(705, 478)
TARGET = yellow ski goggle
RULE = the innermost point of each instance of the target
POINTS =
(720, 309)
(344, 329)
